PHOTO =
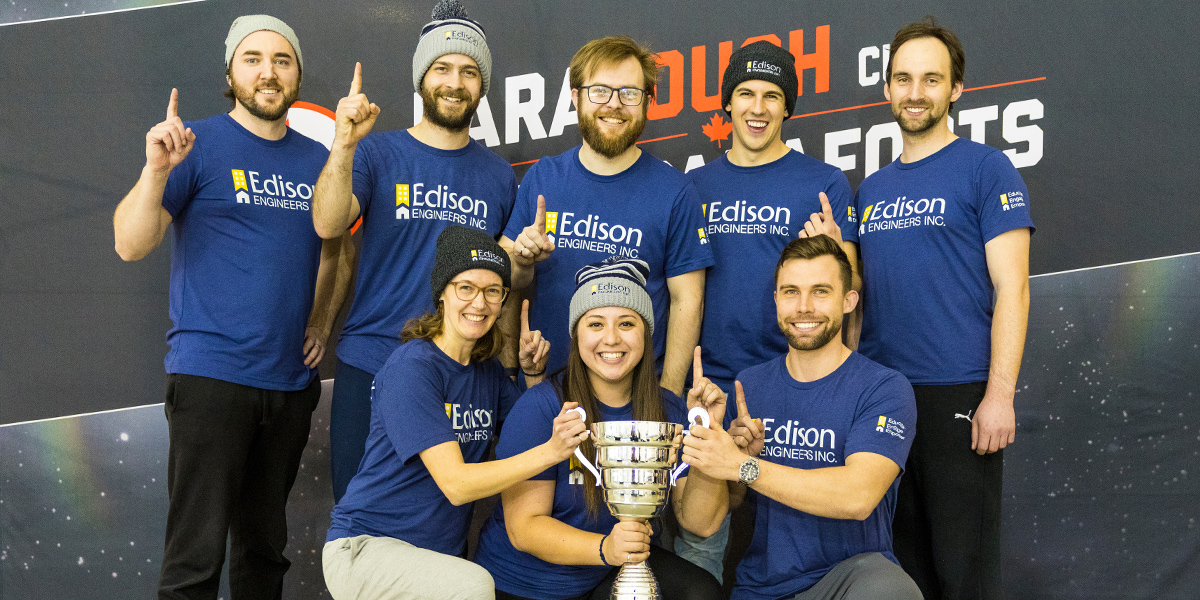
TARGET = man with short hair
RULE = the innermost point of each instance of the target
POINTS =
(944, 232)
(248, 334)
(835, 432)
(756, 198)
(407, 186)
(607, 197)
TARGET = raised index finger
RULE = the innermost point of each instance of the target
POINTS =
(524, 317)
(173, 105)
(697, 368)
(539, 221)
(826, 208)
(356, 83)
(740, 394)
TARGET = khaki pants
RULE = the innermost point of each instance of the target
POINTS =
(382, 568)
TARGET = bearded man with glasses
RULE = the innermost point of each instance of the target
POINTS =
(608, 197)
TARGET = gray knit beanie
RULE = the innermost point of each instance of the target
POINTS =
(766, 61)
(462, 249)
(451, 32)
(614, 281)
(248, 24)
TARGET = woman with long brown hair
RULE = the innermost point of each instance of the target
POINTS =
(552, 538)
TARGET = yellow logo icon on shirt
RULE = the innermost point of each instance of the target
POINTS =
(703, 239)
(239, 180)
(551, 222)
(449, 408)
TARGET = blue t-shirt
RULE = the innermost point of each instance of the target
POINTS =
(649, 211)
(927, 296)
(421, 398)
(752, 213)
(408, 193)
(860, 407)
(530, 423)
(244, 255)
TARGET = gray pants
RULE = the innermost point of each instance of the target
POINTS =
(383, 568)
(867, 576)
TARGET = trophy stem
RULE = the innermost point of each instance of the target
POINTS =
(635, 582)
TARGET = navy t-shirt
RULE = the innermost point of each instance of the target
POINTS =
(408, 193)
(421, 398)
(860, 407)
(649, 211)
(752, 213)
(530, 423)
(927, 295)
(244, 255)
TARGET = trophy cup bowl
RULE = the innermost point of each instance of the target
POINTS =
(635, 463)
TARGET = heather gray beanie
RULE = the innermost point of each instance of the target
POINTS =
(451, 32)
(612, 282)
(248, 24)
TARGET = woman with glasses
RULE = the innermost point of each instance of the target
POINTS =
(400, 531)
(553, 537)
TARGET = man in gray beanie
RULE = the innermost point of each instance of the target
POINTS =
(407, 186)
(760, 175)
(250, 325)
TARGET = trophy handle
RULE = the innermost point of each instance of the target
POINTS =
(579, 453)
(697, 412)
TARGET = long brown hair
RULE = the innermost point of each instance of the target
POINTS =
(572, 384)
(431, 325)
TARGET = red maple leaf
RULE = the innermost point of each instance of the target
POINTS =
(717, 129)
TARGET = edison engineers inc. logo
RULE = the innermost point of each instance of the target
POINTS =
(239, 186)
(551, 225)
(402, 211)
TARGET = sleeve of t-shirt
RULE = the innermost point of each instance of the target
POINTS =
(182, 183)
(1003, 196)
(509, 393)
(524, 207)
(364, 182)
(687, 246)
(530, 423)
(410, 402)
(886, 420)
(837, 189)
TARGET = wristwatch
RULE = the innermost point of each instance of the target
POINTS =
(748, 473)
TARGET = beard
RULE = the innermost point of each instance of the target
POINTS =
(832, 329)
(432, 109)
(614, 146)
(245, 96)
(932, 117)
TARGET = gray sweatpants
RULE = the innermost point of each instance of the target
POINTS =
(867, 576)
(383, 568)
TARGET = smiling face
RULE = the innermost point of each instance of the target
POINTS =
(264, 75)
(758, 110)
(450, 91)
(469, 320)
(612, 128)
(921, 88)
(611, 343)
(810, 299)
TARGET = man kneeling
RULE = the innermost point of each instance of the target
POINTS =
(835, 431)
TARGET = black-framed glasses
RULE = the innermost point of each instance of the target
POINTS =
(601, 94)
(467, 291)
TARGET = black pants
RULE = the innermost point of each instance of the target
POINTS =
(349, 424)
(677, 578)
(234, 455)
(946, 532)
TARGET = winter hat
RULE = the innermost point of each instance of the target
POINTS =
(462, 249)
(612, 282)
(766, 61)
(451, 32)
(248, 24)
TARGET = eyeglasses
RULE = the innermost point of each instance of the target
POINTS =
(601, 94)
(467, 292)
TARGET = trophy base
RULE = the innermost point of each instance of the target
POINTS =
(635, 582)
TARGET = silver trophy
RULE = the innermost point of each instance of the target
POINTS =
(637, 468)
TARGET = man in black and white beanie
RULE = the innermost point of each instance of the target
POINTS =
(407, 186)
(612, 282)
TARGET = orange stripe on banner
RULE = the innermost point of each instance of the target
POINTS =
(354, 228)
(982, 87)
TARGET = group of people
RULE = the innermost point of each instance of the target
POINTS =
(600, 283)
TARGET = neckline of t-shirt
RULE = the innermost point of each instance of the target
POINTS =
(637, 164)
(445, 358)
(412, 139)
(928, 159)
(758, 168)
(808, 385)
(283, 141)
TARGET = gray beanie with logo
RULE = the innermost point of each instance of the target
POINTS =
(451, 32)
(766, 61)
(612, 282)
(248, 24)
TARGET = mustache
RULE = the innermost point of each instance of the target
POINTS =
(454, 94)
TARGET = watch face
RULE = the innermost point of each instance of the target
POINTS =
(749, 471)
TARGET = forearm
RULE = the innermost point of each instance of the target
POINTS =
(831, 492)
(333, 199)
(737, 494)
(1009, 323)
(510, 325)
(138, 222)
(683, 333)
(333, 282)
(522, 274)
(555, 542)
(472, 481)
(702, 504)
